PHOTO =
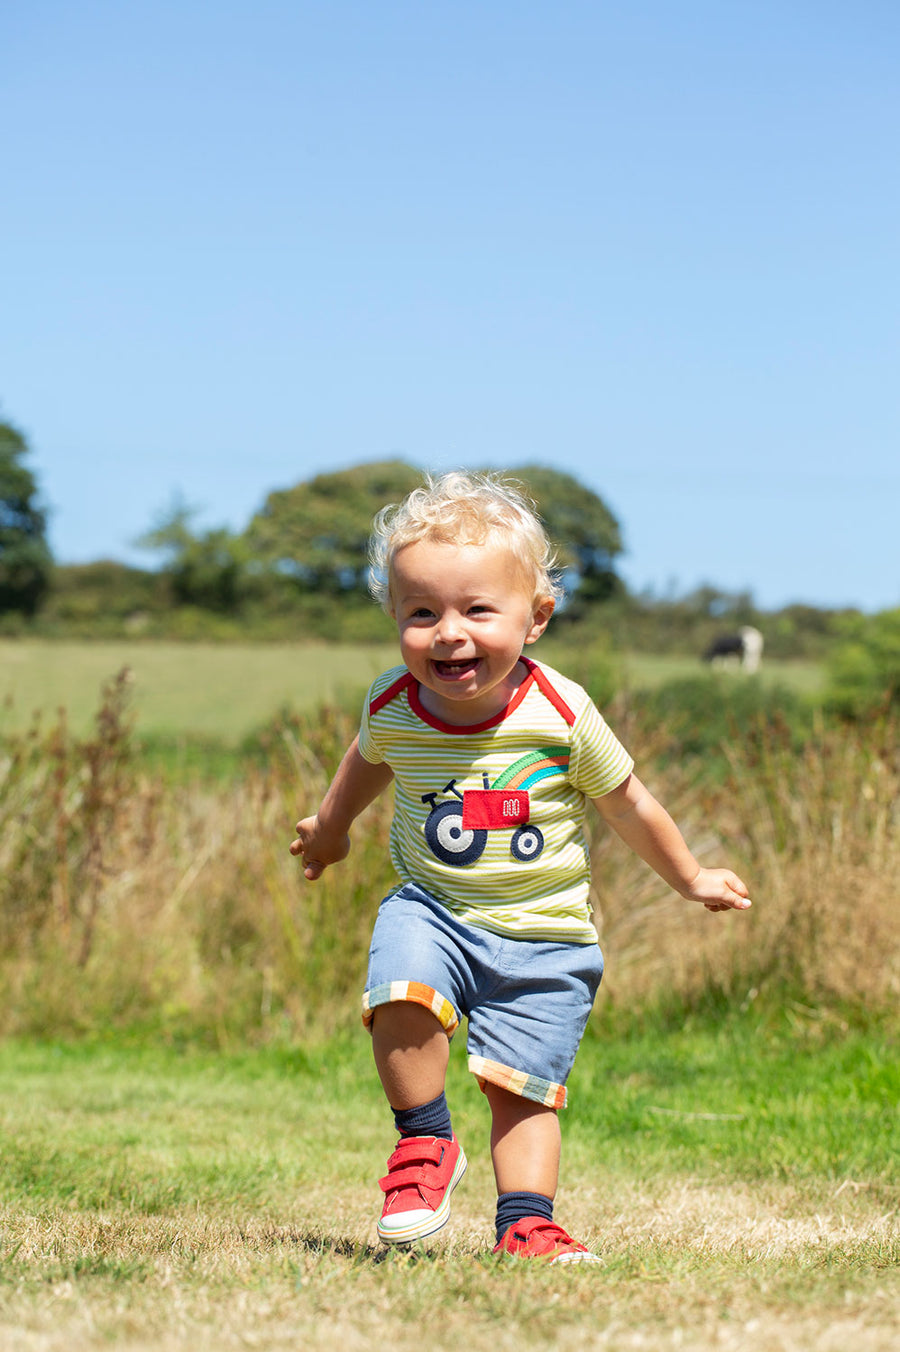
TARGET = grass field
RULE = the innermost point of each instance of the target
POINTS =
(645, 670)
(227, 690)
(206, 689)
(740, 1182)
(730, 1152)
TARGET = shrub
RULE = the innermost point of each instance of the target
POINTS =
(702, 716)
(864, 671)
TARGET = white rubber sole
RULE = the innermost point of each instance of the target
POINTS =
(576, 1258)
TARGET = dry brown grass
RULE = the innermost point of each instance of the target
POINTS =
(177, 905)
(172, 904)
(685, 1266)
(817, 837)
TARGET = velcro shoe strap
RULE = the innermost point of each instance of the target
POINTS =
(416, 1149)
(413, 1176)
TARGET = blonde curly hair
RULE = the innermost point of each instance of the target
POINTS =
(459, 508)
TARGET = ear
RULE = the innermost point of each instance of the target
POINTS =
(544, 607)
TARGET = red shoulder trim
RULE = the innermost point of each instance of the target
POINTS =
(548, 689)
(394, 689)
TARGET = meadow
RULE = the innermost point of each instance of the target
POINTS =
(208, 690)
(738, 1179)
(225, 691)
(190, 1123)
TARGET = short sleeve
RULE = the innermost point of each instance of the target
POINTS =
(368, 747)
(599, 761)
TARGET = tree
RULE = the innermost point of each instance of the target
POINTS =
(583, 529)
(25, 561)
(204, 570)
(318, 531)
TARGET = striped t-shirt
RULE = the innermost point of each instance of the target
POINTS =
(490, 818)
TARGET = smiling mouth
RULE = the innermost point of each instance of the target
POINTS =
(451, 670)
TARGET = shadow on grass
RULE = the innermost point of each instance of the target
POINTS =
(359, 1251)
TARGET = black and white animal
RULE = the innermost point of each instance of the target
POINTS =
(745, 647)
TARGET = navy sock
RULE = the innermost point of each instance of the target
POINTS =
(431, 1119)
(512, 1206)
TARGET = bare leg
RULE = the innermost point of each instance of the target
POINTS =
(411, 1053)
(525, 1143)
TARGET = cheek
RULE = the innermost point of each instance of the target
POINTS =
(413, 641)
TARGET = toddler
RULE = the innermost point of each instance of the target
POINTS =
(493, 757)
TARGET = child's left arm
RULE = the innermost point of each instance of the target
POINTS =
(646, 827)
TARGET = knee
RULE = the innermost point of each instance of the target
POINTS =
(508, 1108)
(406, 1024)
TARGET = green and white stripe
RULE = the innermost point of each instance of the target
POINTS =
(535, 747)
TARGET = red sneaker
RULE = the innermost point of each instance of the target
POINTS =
(534, 1237)
(422, 1173)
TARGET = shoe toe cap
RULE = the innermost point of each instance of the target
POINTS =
(401, 1222)
(578, 1256)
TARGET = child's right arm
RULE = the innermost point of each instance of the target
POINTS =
(325, 838)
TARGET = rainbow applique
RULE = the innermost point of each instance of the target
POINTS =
(537, 765)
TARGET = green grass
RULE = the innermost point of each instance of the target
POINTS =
(224, 692)
(789, 1102)
(205, 690)
(748, 1102)
(644, 670)
(738, 1178)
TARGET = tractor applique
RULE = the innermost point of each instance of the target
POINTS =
(456, 829)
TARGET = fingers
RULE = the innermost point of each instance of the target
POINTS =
(738, 894)
(729, 892)
(312, 868)
(734, 900)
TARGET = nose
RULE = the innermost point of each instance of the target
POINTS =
(449, 628)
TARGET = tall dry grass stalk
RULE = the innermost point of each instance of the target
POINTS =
(131, 903)
(815, 835)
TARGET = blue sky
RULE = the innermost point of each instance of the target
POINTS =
(655, 245)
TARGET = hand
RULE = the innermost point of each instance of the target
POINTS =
(317, 848)
(719, 890)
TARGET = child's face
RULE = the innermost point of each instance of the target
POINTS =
(464, 613)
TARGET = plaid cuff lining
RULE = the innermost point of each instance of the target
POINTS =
(517, 1082)
(416, 994)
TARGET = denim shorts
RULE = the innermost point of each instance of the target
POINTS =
(527, 1001)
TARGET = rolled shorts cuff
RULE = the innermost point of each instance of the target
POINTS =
(518, 1082)
(415, 993)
